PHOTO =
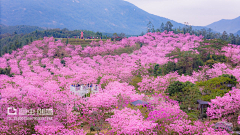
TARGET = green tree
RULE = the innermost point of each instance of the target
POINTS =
(216, 86)
(17, 44)
(237, 40)
(175, 87)
(4, 50)
(6, 71)
(157, 70)
(186, 93)
(122, 35)
(152, 30)
(98, 34)
(20, 45)
(233, 38)
(13, 47)
(1, 50)
(169, 67)
(162, 27)
(63, 62)
(168, 26)
(115, 35)
(224, 36)
(158, 30)
(67, 41)
(187, 61)
(233, 79)
(134, 82)
(142, 33)
(27, 41)
(150, 27)
(187, 28)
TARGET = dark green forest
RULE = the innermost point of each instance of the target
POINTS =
(20, 29)
(207, 33)
(12, 41)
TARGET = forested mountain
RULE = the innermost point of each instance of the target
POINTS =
(230, 26)
(105, 16)
(19, 29)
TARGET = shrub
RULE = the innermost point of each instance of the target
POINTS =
(193, 116)
(236, 129)
(92, 128)
(216, 87)
(186, 93)
(175, 87)
(6, 71)
(233, 78)
(135, 81)
(43, 66)
(63, 62)
(99, 79)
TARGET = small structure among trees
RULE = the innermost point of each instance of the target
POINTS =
(202, 105)
(83, 89)
(139, 102)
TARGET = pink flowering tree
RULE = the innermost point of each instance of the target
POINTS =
(128, 121)
(41, 78)
(225, 107)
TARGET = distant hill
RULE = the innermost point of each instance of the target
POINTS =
(20, 29)
(97, 15)
(237, 33)
(230, 26)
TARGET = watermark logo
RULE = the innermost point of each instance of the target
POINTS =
(48, 111)
(33, 112)
(11, 111)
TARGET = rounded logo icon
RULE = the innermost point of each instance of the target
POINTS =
(12, 111)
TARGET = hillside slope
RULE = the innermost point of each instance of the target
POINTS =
(237, 33)
(20, 29)
(230, 26)
(105, 16)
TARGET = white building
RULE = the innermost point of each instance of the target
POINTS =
(81, 90)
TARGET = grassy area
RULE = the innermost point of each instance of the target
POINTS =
(83, 42)
(128, 50)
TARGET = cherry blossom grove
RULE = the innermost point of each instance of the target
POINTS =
(44, 70)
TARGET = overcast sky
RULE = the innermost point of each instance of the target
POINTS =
(195, 12)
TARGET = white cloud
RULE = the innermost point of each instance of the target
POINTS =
(196, 12)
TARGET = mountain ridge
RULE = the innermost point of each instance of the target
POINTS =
(237, 33)
(228, 25)
(105, 16)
